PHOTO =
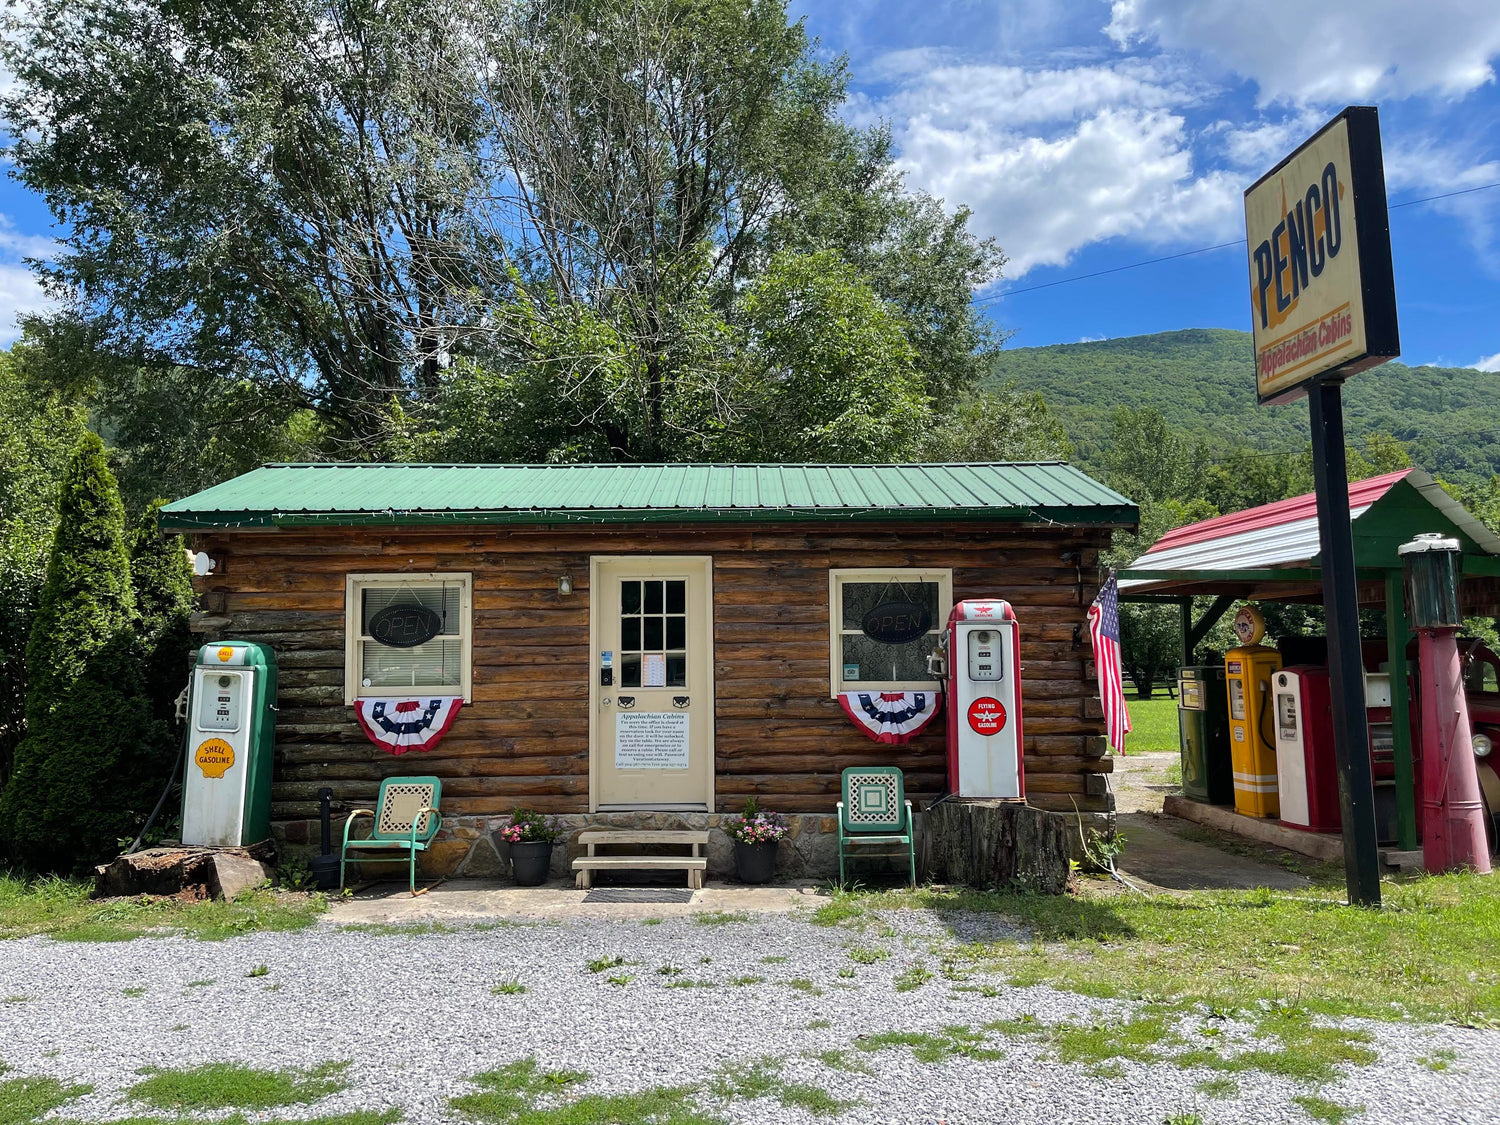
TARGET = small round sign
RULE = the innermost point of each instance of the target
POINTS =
(987, 715)
(405, 625)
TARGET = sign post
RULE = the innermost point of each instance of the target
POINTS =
(1323, 301)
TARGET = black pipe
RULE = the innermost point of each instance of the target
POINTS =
(325, 815)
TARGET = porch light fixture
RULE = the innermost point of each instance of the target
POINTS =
(565, 585)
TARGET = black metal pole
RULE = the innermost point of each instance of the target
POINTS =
(1351, 737)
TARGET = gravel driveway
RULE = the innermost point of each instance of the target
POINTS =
(416, 1016)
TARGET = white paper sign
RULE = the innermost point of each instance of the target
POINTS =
(653, 670)
(651, 740)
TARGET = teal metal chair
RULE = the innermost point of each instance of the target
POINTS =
(875, 811)
(406, 821)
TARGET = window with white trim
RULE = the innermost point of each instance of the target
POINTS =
(859, 662)
(407, 634)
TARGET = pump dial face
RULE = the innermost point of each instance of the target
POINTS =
(1249, 625)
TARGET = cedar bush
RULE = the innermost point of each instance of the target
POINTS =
(163, 583)
(91, 760)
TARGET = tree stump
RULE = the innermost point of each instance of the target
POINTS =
(985, 844)
(212, 872)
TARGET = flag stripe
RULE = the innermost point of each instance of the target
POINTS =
(1104, 631)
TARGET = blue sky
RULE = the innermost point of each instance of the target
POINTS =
(1086, 135)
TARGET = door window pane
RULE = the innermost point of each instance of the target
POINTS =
(630, 669)
(677, 632)
(651, 634)
(630, 597)
(676, 669)
(677, 596)
(653, 596)
(630, 634)
(653, 620)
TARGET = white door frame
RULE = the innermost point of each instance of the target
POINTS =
(595, 690)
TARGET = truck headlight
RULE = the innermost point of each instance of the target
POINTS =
(1482, 745)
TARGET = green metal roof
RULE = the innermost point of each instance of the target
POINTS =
(353, 494)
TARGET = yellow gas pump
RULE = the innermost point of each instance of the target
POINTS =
(1252, 721)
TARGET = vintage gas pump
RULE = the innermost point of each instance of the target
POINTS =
(1307, 778)
(1203, 727)
(1252, 739)
(983, 673)
(226, 792)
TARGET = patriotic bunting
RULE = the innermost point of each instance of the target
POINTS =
(399, 725)
(892, 717)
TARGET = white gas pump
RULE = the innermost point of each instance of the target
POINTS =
(983, 673)
(226, 790)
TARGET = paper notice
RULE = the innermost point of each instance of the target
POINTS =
(653, 670)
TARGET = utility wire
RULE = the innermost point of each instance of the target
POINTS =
(1202, 250)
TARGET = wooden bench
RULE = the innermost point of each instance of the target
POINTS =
(694, 864)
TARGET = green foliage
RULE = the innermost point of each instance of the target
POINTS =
(1202, 382)
(164, 600)
(93, 754)
(24, 1100)
(222, 1085)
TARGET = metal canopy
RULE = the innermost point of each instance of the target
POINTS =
(385, 494)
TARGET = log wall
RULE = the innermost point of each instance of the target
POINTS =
(524, 739)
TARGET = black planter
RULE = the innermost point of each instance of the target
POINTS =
(754, 863)
(531, 860)
(325, 871)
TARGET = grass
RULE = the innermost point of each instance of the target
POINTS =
(1439, 1060)
(817, 1025)
(773, 959)
(1428, 954)
(685, 982)
(1153, 725)
(720, 917)
(741, 982)
(1223, 1088)
(928, 1048)
(1321, 1109)
(231, 1086)
(804, 986)
(867, 954)
(599, 964)
(200, 983)
(763, 1079)
(913, 977)
(62, 909)
(509, 987)
(510, 1090)
(23, 1100)
(259, 971)
(620, 980)
(134, 991)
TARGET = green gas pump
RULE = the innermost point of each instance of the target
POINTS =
(226, 791)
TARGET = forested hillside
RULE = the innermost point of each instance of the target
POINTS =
(1202, 382)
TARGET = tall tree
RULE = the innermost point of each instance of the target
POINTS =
(162, 581)
(92, 753)
(384, 209)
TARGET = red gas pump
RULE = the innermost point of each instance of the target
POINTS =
(982, 644)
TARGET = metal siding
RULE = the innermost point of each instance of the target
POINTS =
(926, 491)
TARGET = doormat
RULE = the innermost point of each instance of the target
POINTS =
(639, 894)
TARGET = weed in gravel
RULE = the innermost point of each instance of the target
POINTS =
(817, 1025)
(843, 906)
(200, 983)
(1321, 1109)
(1224, 1088)
(867, 954)
(17, 999)
(512, 1089)
(1139, 1039)
(773, 959)
(508, 987)
(989, 991)
(804, 986)
(651, 921)
(134, 991)
(763, 1079)
(1439, 1061)
(229, 1085)
(838, 1059)
(1183, 1119)
(620, 980)
(684, 982)
(599, 964)
(259, 971)
(669, 970)
(847, 974)
(705, 960)
(929, 1048)
(740, 982)
(720, 917)
(913, 977)
(179, 1027)
(24, 1100)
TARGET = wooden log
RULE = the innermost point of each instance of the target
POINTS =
(990, 844)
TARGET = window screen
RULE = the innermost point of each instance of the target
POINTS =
(436, 663)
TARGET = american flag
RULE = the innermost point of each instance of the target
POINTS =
(1104, 628)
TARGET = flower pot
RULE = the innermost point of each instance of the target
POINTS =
(531, 860)
(754, 863)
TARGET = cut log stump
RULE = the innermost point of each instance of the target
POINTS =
(987, 844)
(220, 873)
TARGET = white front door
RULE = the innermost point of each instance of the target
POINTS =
(651, 736)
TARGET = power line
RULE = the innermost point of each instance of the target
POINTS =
(1203, 250)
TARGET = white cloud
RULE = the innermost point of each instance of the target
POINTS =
(1332, 51)
(20, 293)
(1489, 363)
(1052, 160)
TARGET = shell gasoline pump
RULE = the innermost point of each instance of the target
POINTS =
(226, 790)
(1252, 736)
(981, 664)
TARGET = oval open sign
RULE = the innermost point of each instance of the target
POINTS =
(896, 623)
(405, 626)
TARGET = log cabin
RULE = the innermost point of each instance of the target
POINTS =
(722, 602)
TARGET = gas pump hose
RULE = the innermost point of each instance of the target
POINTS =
(171, 781)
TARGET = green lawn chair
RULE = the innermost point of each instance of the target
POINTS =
(407, 821)
(875, 811)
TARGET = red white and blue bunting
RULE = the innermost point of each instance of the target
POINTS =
(892, 717)
(399, 725)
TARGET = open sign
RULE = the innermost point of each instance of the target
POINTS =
(405, 626)
(896, 623)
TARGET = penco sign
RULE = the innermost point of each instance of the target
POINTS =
(1322, 294)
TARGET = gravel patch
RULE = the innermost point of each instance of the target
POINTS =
(415, 1015)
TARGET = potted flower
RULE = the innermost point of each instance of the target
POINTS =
(530, 836)
(755, 833)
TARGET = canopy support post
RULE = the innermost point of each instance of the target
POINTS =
(1397, 634)
(1193, 634)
